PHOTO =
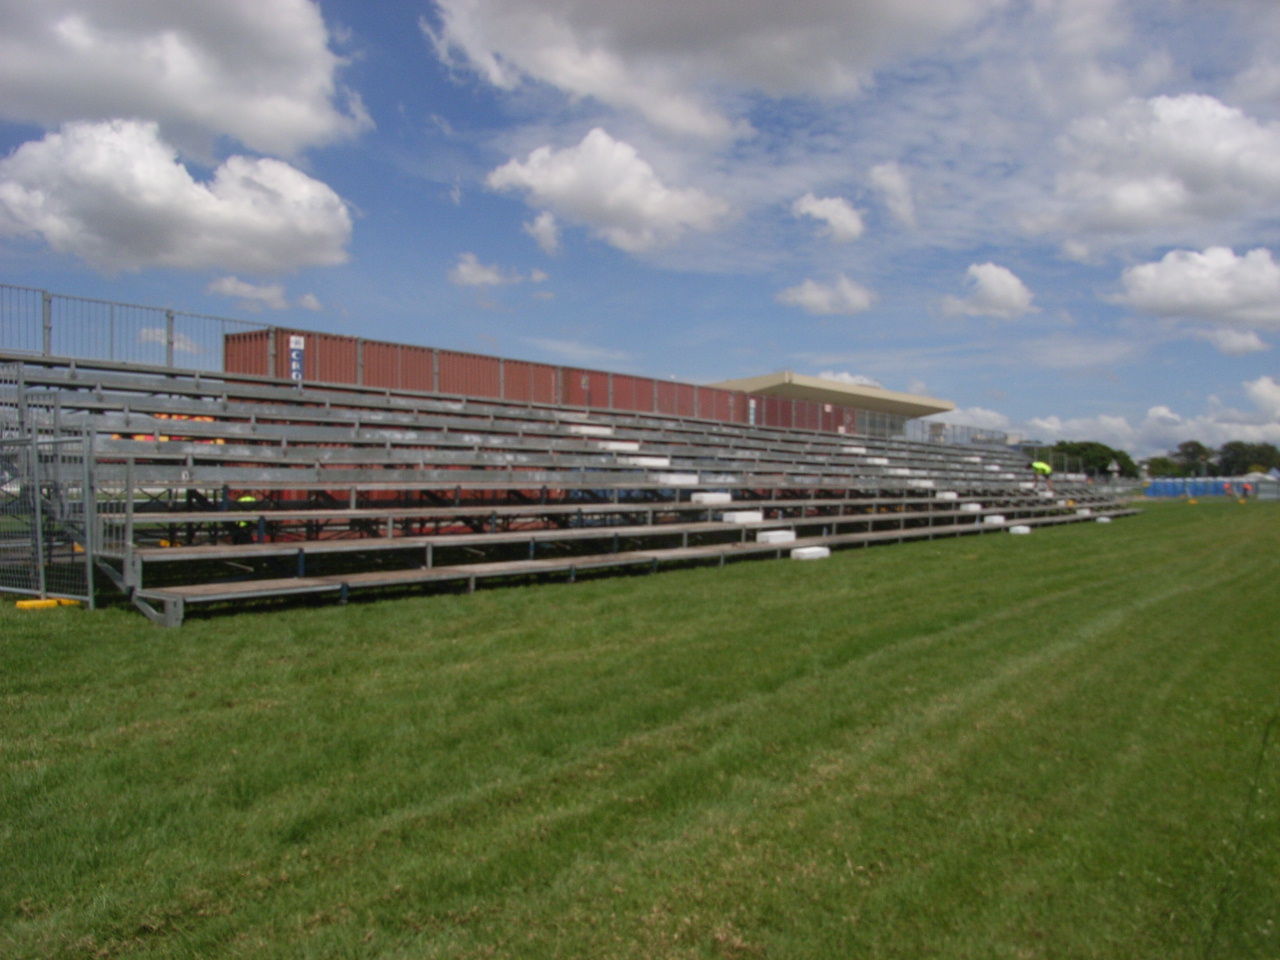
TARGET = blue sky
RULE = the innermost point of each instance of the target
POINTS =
(1060, 214)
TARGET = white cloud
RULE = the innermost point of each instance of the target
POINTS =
(573, 351)
(470, 272)
(261, 73)
(115, 195)
(544, 229)
(1170, 162)
(181, 342)
(842, 222)
(994, 291)
(1215, 285)
(661, 58)
(824, 299)
(604, 183)
(979, 417)
(1161, 429)
(1234, 342)
(895, 190)
(256, 296)
(854, 379)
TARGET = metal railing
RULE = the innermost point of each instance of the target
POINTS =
(52, 324)
(47, 503)
(38, 322)
(935, 431)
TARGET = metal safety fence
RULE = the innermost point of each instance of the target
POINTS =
(51, 324)
(35, 321)
(47, 502)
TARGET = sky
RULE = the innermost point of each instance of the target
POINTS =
(1061, 215)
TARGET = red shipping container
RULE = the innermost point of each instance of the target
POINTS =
(529, 382)
(633, 394)
(469, 374)
(248, 353)
(585, 388)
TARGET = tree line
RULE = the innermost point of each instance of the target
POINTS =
(1193, 459)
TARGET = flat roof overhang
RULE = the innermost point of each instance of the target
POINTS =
(796, 386)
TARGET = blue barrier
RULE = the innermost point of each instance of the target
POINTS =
(1194, 487)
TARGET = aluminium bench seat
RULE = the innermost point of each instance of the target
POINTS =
(172, 601)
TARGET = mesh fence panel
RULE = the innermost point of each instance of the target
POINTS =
(46, 496)
(38, 322)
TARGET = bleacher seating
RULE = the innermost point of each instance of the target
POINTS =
(217, 488)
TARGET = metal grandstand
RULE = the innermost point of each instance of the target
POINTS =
(216, 487)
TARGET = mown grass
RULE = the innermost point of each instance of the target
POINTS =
(1061, 745)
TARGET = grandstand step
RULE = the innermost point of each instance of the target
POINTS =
(173, 599)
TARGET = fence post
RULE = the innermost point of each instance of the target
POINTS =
(168, 338)
(90, 512)
(273, 334)
(38, 510)
(46, 321)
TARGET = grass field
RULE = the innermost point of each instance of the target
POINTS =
(1063, 745)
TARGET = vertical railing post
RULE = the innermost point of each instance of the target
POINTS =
(168, 338)
(37, 530)
(90, 513)
(273, 335)
(46, 322)
(128, 523)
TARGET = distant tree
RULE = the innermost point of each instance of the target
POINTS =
(1096, 457)
(1237, 458)
(1165, 467)
(1194, 457)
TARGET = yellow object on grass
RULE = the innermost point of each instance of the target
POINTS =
(45, 604)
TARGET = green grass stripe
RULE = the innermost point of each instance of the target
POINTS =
(1022, 747)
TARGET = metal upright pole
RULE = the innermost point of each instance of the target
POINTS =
(90, 513)
(168, 338)
(46, 321)
(38, 515)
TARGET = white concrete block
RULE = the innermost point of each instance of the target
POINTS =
(619, 446)
(921, 484)
(853, 449)
(994, 519)
(590, 430)
(947, 495)
(992, 468)
(878, 461)
(810, 553)
(743, 516)
(711, 498)
(971, 459)
(1027, 485)
(1084, 512)
(970, 508)
(1020, 528)
(1104, 519)
(646, 461)
(776, 536)
(677, 479)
